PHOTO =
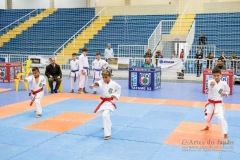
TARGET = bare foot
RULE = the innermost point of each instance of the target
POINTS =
(225, 138)
(205, 129)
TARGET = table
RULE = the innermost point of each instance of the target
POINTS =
(9, 71)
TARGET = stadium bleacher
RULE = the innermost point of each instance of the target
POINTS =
(126, 30)
(51, 32)
(221, 29)
(9, 16)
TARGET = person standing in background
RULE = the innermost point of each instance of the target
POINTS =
(108, 53)
(84, 71)
(182, 54)
(234, 59)
(157, 56)
(199, 56)
(209, 60)
(74, 72)
(202, 40)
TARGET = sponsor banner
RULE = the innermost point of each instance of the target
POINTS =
(144, 78)
(3, 72)
(113, 63)
(40, 61)
(170, 65)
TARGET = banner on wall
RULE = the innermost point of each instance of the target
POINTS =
(113, 63)
(171, 65)
(40, 61)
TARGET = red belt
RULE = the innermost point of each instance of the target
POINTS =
(214, 103)
(105, 100)
(35, 94)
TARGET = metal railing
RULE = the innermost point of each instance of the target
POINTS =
(155, 37)
(17, 22)
(73, 38)
(191, 67)
(190, 38)
(133, 51)
(206, 49)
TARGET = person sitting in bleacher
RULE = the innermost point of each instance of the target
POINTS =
(148, 54)
(202, 40)
(148, 63)
(54, 73)
(220, 64)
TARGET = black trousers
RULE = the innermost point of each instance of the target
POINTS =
(57, 80)
(199, 69)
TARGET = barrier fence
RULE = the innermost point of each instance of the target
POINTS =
(190, 67)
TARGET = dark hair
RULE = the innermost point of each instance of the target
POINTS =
(74, 54)
(84, 49)
(98, 53)
(220, 59)
(35, 69)
(216, 70)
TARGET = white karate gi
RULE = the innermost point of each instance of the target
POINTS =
(74, 65)
(98, 66)
(108, 53)
(83, 65)
(214, 93)
(34, 87)
(106, 91)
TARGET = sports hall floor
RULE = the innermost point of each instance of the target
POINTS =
(148, 125)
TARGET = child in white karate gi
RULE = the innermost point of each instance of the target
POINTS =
(217, 89)
(109, 90)
(98, 65)
(74, 74)
(36, 84)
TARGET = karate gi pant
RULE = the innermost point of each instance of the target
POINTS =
(37, 102)
(219, 113)
(107, 124)
(83, 80)
(72, 81)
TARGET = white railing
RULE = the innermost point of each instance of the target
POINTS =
(23, 18)
(155, 37)
(73, 38)
(206, 49)
(133, 51)
(191, 66)
(190, 38)
(5, 56)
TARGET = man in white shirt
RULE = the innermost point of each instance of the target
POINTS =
(84, 71)
(108, 53)
(98, 65)
(217, 89)
(74, 73)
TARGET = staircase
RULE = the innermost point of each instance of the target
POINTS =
(181, 28)
(82, 39)
(5, 38)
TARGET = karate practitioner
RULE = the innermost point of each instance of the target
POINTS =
(74, 74)
(109, 90)
(98, 65)
(36, 84)
(84, 71)
(217, 89)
